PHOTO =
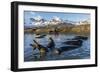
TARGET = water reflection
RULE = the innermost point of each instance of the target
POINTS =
(82, 52)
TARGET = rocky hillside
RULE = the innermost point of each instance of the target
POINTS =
(61, 28)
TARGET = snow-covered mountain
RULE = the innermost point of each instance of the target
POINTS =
(84, 22)
(39, 21)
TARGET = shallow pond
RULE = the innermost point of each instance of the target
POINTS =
(82, 52)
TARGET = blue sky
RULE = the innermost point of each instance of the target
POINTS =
(49, 15)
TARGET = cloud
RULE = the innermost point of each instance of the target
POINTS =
(27, 16)
(32, 13)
